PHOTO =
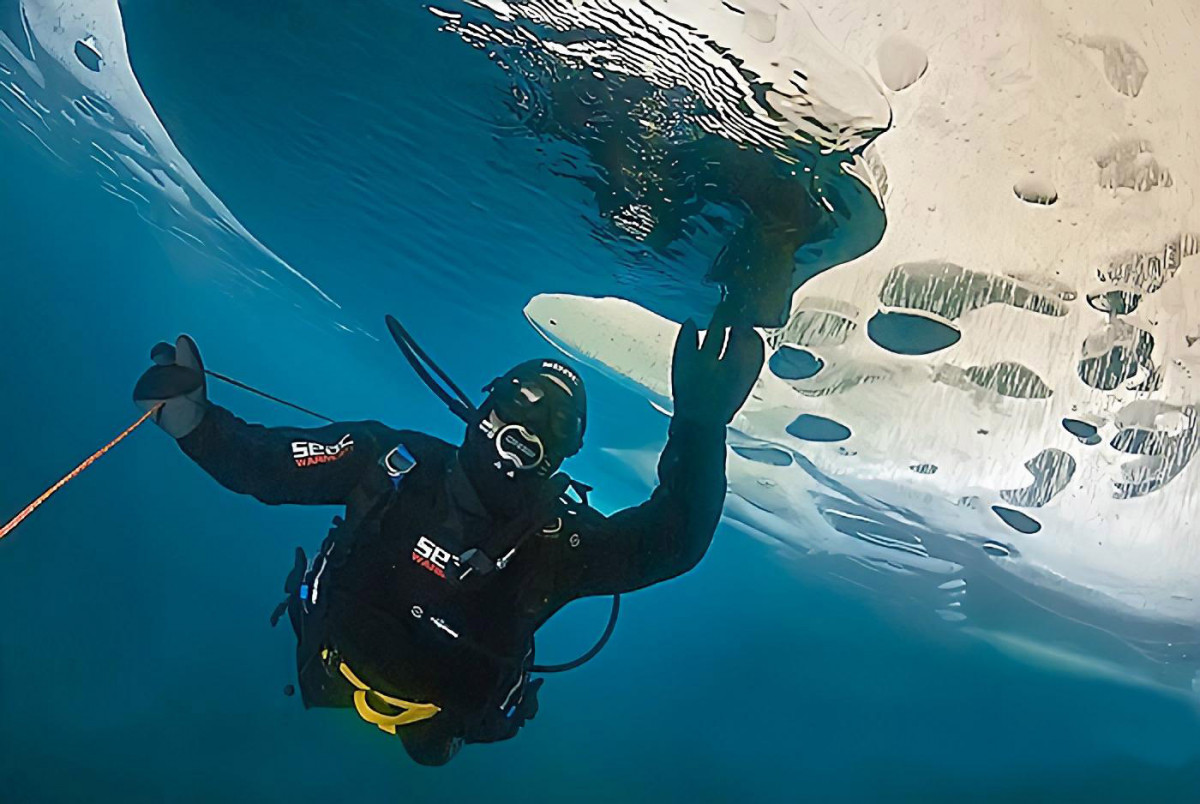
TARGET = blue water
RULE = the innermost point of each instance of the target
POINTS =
(378, 157)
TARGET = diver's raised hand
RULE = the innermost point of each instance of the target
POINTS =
(709, 387)
(176, 381)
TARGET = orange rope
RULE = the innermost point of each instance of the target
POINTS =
(45, 495)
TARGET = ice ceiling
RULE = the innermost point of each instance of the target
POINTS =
(1007, 382)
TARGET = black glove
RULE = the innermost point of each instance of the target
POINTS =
(706, 387)
(176, 381)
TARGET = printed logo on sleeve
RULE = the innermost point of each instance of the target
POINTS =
(310, 453)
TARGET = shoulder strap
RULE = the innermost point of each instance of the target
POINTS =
(370, 498)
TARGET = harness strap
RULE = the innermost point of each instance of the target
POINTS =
(495, 551)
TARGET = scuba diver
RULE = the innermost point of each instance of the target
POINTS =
(420, 608)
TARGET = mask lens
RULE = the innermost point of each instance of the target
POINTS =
(513, 403)
(526, 404)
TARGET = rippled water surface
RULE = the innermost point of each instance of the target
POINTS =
(910, 598)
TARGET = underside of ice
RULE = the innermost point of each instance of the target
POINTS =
(70, 85)
(1010, 376)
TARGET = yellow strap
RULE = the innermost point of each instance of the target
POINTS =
(412, 712)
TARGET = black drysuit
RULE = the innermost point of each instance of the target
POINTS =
(388, 608)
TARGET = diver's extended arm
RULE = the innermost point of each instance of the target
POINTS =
(317, 466)
(668, 534)
(276, 465)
